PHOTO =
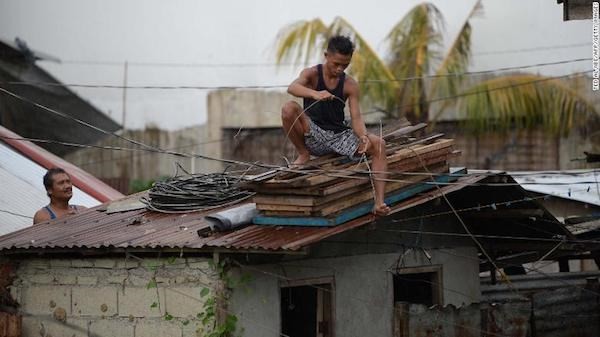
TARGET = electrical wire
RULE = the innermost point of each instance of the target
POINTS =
(274, 64)
(339, 173)
(195, 192)
(235, 161)
(275, 86)
(16, 214)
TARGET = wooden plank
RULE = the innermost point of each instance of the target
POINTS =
(404, 131)
(399, 155)
(333, 207)
(344, 163)
(344, 182)
(340, 203)
(352, 213)
(284, 213)
(357, 186)
(328, 185)
(285, 208)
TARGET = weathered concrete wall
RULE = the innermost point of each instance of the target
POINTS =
(474, 320)
(142, 165)
(239, 111)
(110, 297)
(249, 122)
(363, 285)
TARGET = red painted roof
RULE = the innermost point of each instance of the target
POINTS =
(86, 182)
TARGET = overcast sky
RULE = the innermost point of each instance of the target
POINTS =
(83, 33)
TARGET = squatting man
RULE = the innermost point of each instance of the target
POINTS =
(319, 128)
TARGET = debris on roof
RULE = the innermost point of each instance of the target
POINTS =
(579, 185)
(195, 192)
(331, 190)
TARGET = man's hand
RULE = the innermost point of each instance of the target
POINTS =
(323, 95)
(364, 144)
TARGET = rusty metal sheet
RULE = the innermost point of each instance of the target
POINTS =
(571, 311)
(140, 228)
(509, 319)
(474, 320)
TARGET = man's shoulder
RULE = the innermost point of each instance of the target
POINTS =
(350, 83)
(311, 71)
(41, 211)
(41, 215)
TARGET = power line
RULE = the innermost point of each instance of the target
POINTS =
(341, 173)
(275, 86)
(525, 50)
(275, 64)
(470, 93)
(229, 161)
(16, 214)
(483, 71)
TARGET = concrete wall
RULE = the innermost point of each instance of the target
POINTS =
(142, 165)
(238, 111)
(363, 294)
(109, 297)
(249, 122)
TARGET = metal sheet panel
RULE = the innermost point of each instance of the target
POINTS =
(580, 185)
(140, 228)
(567, 312)
(22, 190)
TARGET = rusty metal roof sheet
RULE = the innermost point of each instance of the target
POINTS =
(96, 228)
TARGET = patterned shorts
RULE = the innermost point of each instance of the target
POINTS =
(320, 142)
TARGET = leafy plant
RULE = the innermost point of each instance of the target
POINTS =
(418, 70)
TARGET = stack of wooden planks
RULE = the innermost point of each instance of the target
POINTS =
(334, 189)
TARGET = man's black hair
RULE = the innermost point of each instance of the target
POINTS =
(340, 44)
(48, 181)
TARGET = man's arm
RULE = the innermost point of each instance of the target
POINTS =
(41, 216)
(358, 125)
(300, 87)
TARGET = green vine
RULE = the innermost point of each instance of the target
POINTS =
(208, 316)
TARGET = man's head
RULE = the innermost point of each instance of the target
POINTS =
(58, 184)
(338, 54)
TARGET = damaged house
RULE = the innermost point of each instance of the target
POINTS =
(121, 269)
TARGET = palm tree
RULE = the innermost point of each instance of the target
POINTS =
(416, 71)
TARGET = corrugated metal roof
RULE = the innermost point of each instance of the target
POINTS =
(95, 228)
(580, 185)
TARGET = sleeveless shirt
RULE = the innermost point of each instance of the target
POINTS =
(328, 115)
(52, 215)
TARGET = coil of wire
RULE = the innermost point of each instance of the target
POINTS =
(195, 193)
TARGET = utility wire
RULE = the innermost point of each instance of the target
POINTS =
(525, 50)
(416, 173)
(275, 64)
(150, 148)
(274, 86)
(340, 173)
(16, 214)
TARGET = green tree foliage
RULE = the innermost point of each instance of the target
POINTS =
(417, 69)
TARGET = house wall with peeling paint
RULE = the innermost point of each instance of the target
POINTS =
(363, 296)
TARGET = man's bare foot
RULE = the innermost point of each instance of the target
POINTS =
(381, 210)
(301, 160)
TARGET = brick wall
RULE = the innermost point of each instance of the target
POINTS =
(110, 297)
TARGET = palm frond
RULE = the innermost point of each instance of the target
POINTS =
(455, 63)
(301, 41)
(524, 101)
(414, 43)
(376, 82)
